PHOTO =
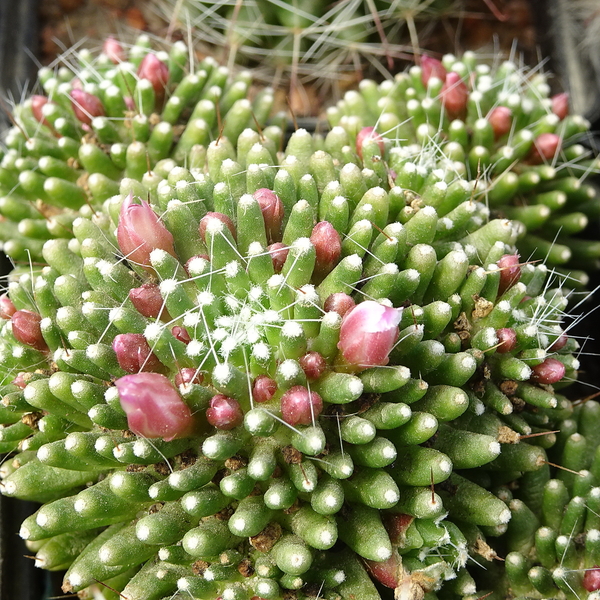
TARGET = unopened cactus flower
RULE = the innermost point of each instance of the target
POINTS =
(315, 376)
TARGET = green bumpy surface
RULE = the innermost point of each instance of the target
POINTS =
(399, 476)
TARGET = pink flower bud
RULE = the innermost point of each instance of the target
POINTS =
(387, 572)
(140, 231)
(22, 379)
(300, 407)
(279, 254)
(181, 333)
(340, 303)
(328, 248)
(396, 525)
(37, 104)
(272, 211)
(86, 106)
(560, 105)
(148, 301)
(313, 364)
(454, 95)
(507, 340)
(188, 375)
(500, 119)
(154, 408)
(368, 334)
(113, 49)
(510, 272)
(559, 343)
(550, 371)
(263, 388)
(431, 67)
(26, 329)
(134, 354)
(7, 308)
(368, 134)
(591, 579)
(156, 72)
(545, 148)
(224, 413)
(129, 103)
(216, 215)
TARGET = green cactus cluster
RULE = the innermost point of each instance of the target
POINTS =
(546, 192)
(404, 467)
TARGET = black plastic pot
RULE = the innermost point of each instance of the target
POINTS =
(18, 42)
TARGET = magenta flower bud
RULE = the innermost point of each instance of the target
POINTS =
(368, 334)
(279, 253)
(129, 103)
(156, 72)
(560, 105)
(386, 572)
(188, 375)
(500, 119)
(313, 364)
(37, 104)
(507, 340)
(272, 210)
(300, 407)
(7, 308)
(86, 106)
(216, 215)
(591, 579)
(140, 231)
(148, 301)
(340, 303)
(263, 388)
(113, 49)
(134, 354)
(181, 333)
(454, 95)
(550, 371)
(22, 379)
(26, 329)
(154, 408)
(224, 413)
(328, 248)
(431, 67)
(545, 148)
(510, 272)
(396, 525)
(559, 343)
(367, 134)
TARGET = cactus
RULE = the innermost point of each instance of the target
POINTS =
(89, 136)
(246, 372)
(498, 125)
(298, 43)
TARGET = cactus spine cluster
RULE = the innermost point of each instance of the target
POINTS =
(300, 42)
(252, 369)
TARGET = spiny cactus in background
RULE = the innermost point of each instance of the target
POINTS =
(499, 125)
(126, 115)
(248, 373)
(329, 44)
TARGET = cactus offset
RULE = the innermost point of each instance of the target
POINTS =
(237, 357)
